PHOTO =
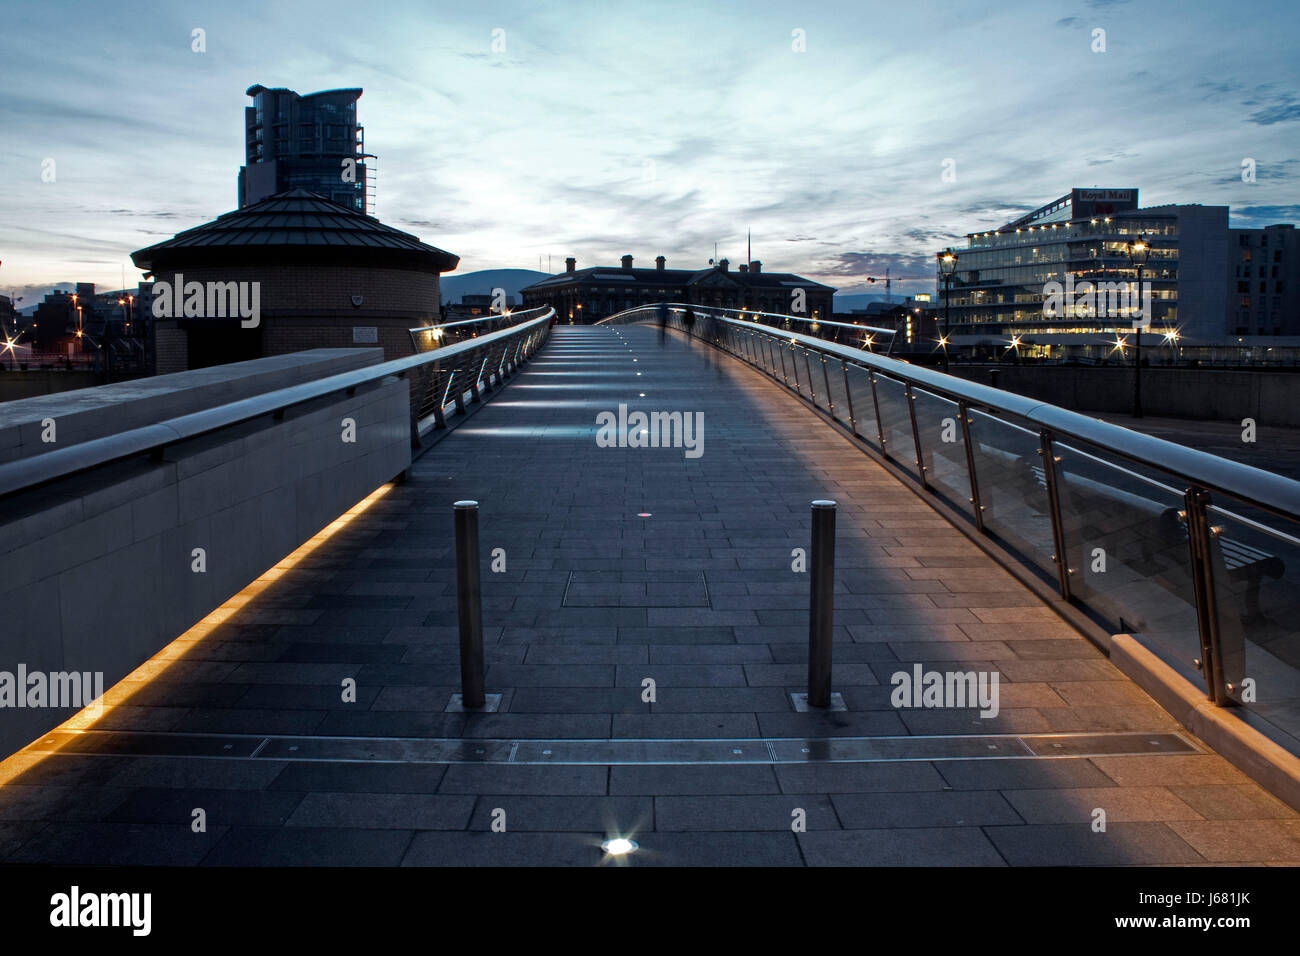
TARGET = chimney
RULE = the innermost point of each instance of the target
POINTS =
(744, 268)
(756, 266)
(570, 264)
(659, 263)
(724, 265)
(627, 262)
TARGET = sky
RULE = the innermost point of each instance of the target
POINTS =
(847, 136)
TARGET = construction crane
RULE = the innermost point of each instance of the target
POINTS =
(889, 281)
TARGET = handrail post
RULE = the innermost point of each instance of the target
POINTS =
(460, 391)
(976, 507)
(1048, 451)
(1197, 501)
(826, 378)
(848, 397)
(821, 610)
(880, 422)
(469, 604)
(916, 435)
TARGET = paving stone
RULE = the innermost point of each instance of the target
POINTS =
(225, 808)
(858, 777)
(484, 848)
(1021, 774)
(1232, 802)
(721, 813)
(397, 811)
(506, 778)
(753, 848)
(1076, 844)
(118, 844)
(197, 773)
(77, 804)
(659, 726)
(1169, 771)
(706, 779)
(1242, 841)
(325, 777)
(1122, 805)
(946, 846)
(304, 846)
(610, 815)
(932, 808)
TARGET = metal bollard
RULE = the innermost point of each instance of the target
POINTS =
(821, 612)
(469, 604)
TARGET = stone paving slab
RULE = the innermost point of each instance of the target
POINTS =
(700, 598)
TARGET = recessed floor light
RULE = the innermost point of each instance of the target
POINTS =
(619, 846)
(643, 514)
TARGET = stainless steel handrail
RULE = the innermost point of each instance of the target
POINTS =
(519, 317)
(27, 473)
(1254, 486)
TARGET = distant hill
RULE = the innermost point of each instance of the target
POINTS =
(454, 286)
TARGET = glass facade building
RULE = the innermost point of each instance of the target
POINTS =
(1060, 277)
(310, 142)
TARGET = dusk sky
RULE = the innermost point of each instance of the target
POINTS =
(611, 128)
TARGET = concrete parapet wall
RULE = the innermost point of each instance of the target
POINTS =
(96, 570)
(86, 413)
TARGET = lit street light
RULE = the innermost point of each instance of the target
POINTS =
(947, 267)
(1138, 250)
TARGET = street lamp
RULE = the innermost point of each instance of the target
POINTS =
(1138, 250)
(947, 267)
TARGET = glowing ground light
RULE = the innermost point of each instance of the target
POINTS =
(619, 846)
(643, 514)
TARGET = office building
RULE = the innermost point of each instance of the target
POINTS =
(310, 142)
(1030, 278)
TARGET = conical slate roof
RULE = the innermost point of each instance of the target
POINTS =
(294, 227)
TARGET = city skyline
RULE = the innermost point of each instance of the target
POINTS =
(635, 137)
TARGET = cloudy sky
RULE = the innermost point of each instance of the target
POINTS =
(606, 128)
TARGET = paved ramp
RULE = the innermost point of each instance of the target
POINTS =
(624, 565)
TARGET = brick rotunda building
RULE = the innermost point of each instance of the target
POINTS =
(326, 277)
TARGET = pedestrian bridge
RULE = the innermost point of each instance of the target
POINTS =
(645, 615)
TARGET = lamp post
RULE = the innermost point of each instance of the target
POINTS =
(1138, 250)
(947, 267)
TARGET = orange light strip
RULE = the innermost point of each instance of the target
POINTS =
(158, 665)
